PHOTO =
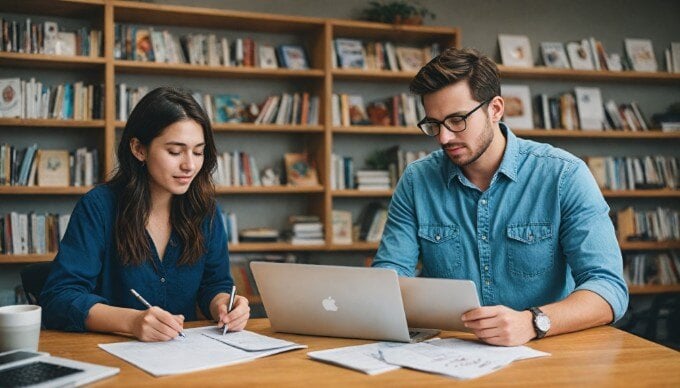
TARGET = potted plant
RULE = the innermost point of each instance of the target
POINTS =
(396, 12)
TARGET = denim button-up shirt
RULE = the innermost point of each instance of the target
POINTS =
(539, 232)
(87, 269)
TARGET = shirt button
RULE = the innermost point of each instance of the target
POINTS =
(437, 237)
(483, 202)
(487, 282)
(486, 268)
(484, 237)
(531, 237)
(162, 280)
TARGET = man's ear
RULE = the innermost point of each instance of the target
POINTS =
(138, 149)
(496, 109)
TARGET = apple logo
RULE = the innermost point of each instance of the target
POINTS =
(329, 304)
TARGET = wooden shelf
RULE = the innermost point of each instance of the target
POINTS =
(185, 69)
(67, 8)
(378, 130)
(372, 75)
(361, 193)
(25, 259)
(356, 246)
(268, 189)
(662, 193)
(564, 133)
(273, 247)
(36, 190)
(542, 72)
(648, 245)
(159, 14)
(56, 123)
(653, 289)
(52, 62)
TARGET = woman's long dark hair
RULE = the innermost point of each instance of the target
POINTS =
(155, 112)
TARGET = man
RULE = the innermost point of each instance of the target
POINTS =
(525, 221)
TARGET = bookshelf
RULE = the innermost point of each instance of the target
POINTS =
(321, 79)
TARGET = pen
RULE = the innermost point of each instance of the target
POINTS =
(230, 307)
(148, 305)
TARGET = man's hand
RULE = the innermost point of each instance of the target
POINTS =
(500, 325)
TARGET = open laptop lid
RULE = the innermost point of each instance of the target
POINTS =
(437, 303)
(335, 301)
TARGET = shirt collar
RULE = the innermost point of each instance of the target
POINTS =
(508, 165)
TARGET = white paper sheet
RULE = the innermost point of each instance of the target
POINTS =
(457, 358)
(364, 358)
(198, 351)
(247, 340)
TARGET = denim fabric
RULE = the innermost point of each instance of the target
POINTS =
(540, 231)
(87, 269)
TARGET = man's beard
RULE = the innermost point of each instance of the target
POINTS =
(485, 139)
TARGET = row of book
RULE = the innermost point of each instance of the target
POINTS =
(400, 110)
(31, 233)
(357, 54)
(236, 169)
(284, 109)
(146, 44)
(662, 224)
(383, 174)
(46, 38)
(32, 166)
(642, 269)
(635, 173)
(31, 99)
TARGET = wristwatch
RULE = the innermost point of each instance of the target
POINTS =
(541, 322)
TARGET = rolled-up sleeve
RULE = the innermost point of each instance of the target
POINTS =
(67, 295)
(589, 241)
(399, 245)
(216, 275)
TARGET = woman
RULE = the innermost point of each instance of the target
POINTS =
(154, 228)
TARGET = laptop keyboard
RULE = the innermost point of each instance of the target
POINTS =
(33, 373)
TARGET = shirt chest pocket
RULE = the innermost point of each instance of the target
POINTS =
(440, 250)
(531, 249)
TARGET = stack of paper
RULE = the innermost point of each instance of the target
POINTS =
(450, 357)
(203, 348)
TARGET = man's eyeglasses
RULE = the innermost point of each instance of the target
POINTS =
(453, 122)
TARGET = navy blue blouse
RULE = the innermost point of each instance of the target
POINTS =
(87, 269)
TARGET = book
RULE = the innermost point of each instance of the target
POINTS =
(515, 50)
(229, 109)
(350, 53)
(518, 111)
(357, 110)
(66, 43)
(579, 55)
(590, 108)
(410, 58)
(554, 55)
(342, 227)
(675, 57)
(267, 57)
(299, 171)
(293, 57)
(53, 168)
(10, 103)
(641, 54)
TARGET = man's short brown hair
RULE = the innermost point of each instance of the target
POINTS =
(455, 65)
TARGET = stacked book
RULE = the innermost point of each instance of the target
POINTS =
(373, 180)
(259, 235)
(306, 230)
(635, 173)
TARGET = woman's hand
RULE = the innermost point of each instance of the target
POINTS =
(156, 324)
(238, 317)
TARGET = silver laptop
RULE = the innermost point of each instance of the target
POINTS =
(39, 369)
(335, 301)
(437, 303)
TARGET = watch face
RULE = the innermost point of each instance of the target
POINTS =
(543, 322)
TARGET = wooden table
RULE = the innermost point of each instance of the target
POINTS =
(603, 356)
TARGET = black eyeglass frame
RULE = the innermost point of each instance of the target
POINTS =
(428, 120)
